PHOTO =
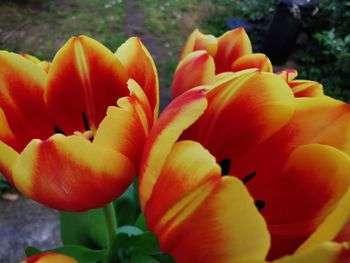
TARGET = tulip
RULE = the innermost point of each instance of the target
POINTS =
(44, 64)
(301, 88)
(71, 136)
(243, 171)
(205, 57)
(49, 257)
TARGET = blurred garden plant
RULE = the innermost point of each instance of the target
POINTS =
(328, 49)
(244, 166)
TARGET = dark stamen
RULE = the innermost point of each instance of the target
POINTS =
(58, 130)
(86, 122)
(249, 177)
(225, 165)
(260, 204)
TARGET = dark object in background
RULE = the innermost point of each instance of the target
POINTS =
(233, 23)
(287, 21)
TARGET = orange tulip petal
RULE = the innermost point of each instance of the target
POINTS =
(179, 177)
(125, 129)
(140, 66)
(256, 60)
(315, 120)
(231, 45)
(217, 222)
(306, 88)
(334, 227)
(327, 252)
(178, 116)
(44, 65)
(196, 69)
(71, 174)
(292, 209)
(30, 58)
(242, 112)
(199, 41)
(21, 98)
(288, 75)
(84, 78)
(49, 257)
(6, 134)
(8, 158)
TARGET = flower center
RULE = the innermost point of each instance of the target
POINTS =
(87, 134)
(225, 165)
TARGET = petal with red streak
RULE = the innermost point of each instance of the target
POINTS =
(216, 222)
(179, 177)
(178, 116)
(316, 120)
(194, 70)
(125, 129)
(328, 252)
(231, 46)
(334, 227)
(256, 60)
(292, 209)
(30, 58)
(200, 41)
(140, 66)
(21, 98)
(306, 88)
(84, 77)
(71, 174)
(288, 75)
(6, 134)
(45, 65)
(344, 233)
(242, 112)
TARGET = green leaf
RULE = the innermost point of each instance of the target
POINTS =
(140, 258)
(31, 251)
(141, 222)
(164, 258)
(130, 230)
(127, 207)
(145, 243)
(87, 229)
(80, 253)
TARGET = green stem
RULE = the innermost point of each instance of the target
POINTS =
(111, 223)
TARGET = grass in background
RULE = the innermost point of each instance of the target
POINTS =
(171, 21)
(41, 27)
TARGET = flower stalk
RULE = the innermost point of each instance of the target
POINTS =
(111, 223)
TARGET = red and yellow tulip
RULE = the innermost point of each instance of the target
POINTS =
(44, 64)
(71, 133)
(205, 59)
(49, 257)
(300, 87)
(244, 171)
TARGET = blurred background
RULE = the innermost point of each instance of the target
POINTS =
(310, 36)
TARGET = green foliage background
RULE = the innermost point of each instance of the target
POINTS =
(327, 56)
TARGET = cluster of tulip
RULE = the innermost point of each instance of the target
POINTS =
(245, 165)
